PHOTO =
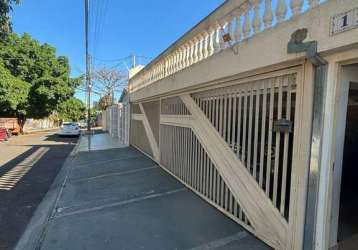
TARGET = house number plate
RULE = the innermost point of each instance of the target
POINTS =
(344, 21)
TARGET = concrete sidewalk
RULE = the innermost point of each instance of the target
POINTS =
(112, 197)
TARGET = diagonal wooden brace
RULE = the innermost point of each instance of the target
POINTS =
(264, 217)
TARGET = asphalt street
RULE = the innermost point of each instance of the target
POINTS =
(28, 167)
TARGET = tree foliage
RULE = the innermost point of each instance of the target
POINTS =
(13, 94)
(72, 109)
(37, 64)
(5, 22)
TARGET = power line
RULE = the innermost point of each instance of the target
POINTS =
(88, 74)
(99, 12)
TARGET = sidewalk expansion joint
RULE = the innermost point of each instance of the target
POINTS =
(120, 203)
(112, 174)
(222, 242)
(90, 163)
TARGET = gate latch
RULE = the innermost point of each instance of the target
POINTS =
(283, 126)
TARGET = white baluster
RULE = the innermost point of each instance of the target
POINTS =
(179, 58)
(185, 56)
(313, 3)
(160, 70)
(200, 47)
(177, 68)
(189, 54)
(192, 51)
(176, 65)
(296, 6)
(247, 22)
(170, 64)
(238, 25)
(180, 63)
(194, 57)
(281, 10)
(257, 17)
(210, 42)
(205, 45)
(196, 50)
(217, 38)
(182, 57)
(268, 15)
(166, 67)
(167, 72)
(173, 63)
(222, 32)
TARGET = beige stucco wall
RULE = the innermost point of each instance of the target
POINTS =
(261, 51)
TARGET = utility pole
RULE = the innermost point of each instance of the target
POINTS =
(88, 74)
(133, 59)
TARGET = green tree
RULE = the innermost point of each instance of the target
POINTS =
(5, 22)
(13, 94)
(72, 109)
(38, 64)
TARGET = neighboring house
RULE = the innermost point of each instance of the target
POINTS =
(250, 109)
(115, 119)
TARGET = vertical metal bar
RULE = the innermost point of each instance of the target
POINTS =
(234, 122)
(244, 132)
(229, 125)
(224, 117)
(269, 143)
(256, 133)
(238, 139)
(207, 159)
(249, 155)
(263, 133)
(277, 145)
(285, 148)
(221, 115)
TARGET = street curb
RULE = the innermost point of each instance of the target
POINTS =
(39, 131)
(35, 231)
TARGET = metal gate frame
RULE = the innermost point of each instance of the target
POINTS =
(267, 222)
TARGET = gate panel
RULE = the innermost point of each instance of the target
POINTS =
(138, 137)
(242, 138)
(245, 116)
(152, 112)
(183, 156)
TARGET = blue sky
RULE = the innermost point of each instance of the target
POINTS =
(142, 27)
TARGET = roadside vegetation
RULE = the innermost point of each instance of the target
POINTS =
(34, 81)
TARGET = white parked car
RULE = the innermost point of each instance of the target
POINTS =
(69, 129)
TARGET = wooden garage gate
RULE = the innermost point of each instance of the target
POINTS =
(238, 147)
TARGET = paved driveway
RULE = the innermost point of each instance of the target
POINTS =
(120, 199)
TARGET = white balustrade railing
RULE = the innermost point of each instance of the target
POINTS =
(222, 29)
